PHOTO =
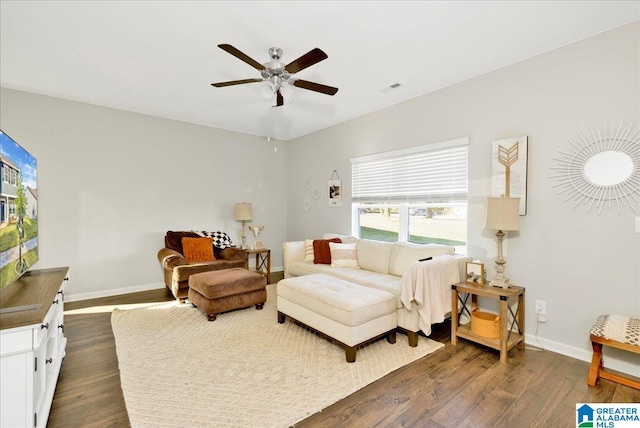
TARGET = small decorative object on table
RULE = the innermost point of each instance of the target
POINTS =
(257, 245)
(475, 273)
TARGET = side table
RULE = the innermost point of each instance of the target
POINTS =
(262, 262)
(508, 336)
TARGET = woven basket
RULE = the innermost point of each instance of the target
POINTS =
(485, 324)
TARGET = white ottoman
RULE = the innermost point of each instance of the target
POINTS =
(349, 313)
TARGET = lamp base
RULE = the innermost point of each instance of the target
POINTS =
(500, 282)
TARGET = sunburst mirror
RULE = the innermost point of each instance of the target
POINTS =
(601, 169)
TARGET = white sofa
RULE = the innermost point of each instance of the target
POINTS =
(381, 266)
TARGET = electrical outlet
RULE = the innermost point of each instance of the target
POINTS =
(541, 310)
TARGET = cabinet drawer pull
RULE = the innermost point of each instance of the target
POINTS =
(55, 302)
(66, 278)
(48, 361)
(61, 326)
(43, 326)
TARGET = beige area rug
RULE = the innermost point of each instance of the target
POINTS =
(243, 370)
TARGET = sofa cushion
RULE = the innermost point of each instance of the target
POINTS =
(321, 251)
(308, 250)
(197, 249)
(343, 255)
(374, 255)
(404, 254)
(344, 238)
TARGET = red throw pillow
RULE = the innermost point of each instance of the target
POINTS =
(322, 252)
(198, 249)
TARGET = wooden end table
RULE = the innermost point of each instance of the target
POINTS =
(508, 336)
(262, 262)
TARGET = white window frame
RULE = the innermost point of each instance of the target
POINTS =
(403, 205)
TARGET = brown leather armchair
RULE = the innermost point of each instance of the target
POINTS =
(177, 270)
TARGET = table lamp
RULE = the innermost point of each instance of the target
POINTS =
(243, 214)
(502, 215)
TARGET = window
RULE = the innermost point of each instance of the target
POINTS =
(416, 195)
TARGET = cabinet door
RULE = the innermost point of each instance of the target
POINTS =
(40, 369)
(16, 372)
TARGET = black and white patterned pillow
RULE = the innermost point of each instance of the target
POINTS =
(220, 239)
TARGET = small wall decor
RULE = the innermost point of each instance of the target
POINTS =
(509, 170)
(335, 190)
(600, 169)
(310, 190)
(475, 273)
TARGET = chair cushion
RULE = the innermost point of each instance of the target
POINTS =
(198, 249)
(173, 240)
(619, 328)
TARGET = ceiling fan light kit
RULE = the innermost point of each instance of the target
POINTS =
(278, 76)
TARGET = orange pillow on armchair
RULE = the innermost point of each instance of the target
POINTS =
(198, 249)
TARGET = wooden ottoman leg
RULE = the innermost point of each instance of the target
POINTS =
(391, 337)
(596, 364)
(212, 317)
(281, 317)
(259, 306)
(350, 353)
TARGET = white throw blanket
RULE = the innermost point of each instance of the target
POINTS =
(429, 284)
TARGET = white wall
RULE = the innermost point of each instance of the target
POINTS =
(582, 265)
(111, 183)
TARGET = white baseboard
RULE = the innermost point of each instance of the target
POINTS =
(611, 362)
(112, 292)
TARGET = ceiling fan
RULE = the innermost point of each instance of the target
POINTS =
(277, 74)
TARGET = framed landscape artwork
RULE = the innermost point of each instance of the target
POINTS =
(509, 170)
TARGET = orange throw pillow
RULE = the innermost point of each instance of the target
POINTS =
(198, 249)
(321, 251)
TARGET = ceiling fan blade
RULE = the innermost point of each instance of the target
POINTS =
(314, 56)
(235, 82)
(241, 56)
(279, 99)
(317, 87)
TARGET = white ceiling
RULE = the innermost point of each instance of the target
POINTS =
(159, 58)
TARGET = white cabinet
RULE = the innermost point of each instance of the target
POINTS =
(32, 346)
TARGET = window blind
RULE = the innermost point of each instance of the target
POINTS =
(428, 173)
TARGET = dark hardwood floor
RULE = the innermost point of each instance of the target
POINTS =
(459, 386)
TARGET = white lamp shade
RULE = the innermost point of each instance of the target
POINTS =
(243, 211)
(503, 214)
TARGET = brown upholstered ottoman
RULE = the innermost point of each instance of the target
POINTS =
(223, 290)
